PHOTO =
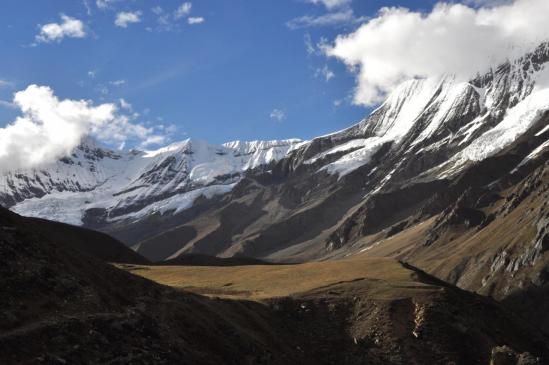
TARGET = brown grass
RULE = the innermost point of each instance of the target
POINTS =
(385, 277)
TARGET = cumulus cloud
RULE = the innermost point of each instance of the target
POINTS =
(400, 44)
(49, 128)
(183, 10)
(277, 115)
(195, 20)
(56, 32)
(124, 18)
(331, 4)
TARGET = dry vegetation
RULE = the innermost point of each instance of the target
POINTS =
(386, 277)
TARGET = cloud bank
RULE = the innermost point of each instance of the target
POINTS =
(49, 128)
(400, 44)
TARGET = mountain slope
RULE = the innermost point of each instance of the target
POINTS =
(96, 244)
(254, 198)
(335, 189)
(60, 306)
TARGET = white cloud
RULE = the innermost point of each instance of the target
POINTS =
(6, 83)
(400, 44)
(153, 140)
(172, 128)
(49, 128)
(330, 19)
(125, 105)
(105, 4)
(331, 4)
(55, 32)
(309, 46)
(102, 90)
(87, 6)
(117, 82)
(127, 17)
(325, 73)
(317, 49)
(164, 20)
(195, 20)
(7, 104)
(278, 115)
(102, 4)
(168, 20)
(183, 10)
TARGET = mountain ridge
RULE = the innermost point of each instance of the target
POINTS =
(446, 159)
(418, 112)
(119, 181)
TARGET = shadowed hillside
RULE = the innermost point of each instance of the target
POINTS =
(61, 306)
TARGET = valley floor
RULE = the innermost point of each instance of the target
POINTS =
(366, 310)
(385, 277)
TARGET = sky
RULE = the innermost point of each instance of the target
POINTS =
(243, 73)
(144, 73)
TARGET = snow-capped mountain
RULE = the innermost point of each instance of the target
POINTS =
(450, 175)
(433, 145)
(468, 120)
(134, 183)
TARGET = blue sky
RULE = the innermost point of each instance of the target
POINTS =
(243, 73)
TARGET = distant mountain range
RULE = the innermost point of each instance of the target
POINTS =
(133, 184)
